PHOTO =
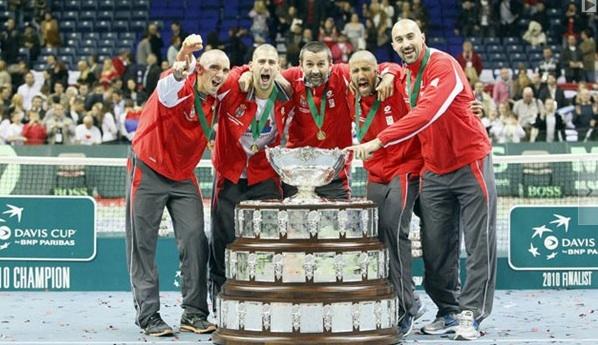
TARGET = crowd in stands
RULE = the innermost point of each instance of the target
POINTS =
(99, 101)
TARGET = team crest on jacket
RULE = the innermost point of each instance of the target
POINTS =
(240, 110)
(191, 116)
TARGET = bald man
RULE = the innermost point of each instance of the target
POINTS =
(393, 176)
(174, 128)
(458, 182)
(248, 122)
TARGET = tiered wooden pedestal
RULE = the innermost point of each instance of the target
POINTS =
(307, 274)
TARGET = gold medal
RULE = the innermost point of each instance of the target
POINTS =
(211, 145)
(254, 148)
(321, 135)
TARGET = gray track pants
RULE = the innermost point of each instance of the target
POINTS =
(147, 194)
(395, 206)
(466, 197)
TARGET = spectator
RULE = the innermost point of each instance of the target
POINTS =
(151, 75)
(121, 62)
(389, 10)
(13, 132)
(380, 20)
(341, 50)
(588, 55)
(9, 42)
(405, 12)
(521, 81)
(144, 49)
(59, 95)
(155, 41)
(538, 14)
(483, 97)
(177, 31)
(77, 109)
(173, 49)
(503, 88)
(493, 124)
(34, 131)
(554, 92)
(571, 60)
(511, 131)
(60, 128)
(260, 15)
(29, 89)
(471, 62)
(508, 11)
(355, 32)
(236, 49)
(94, 66)
(573, 22)
(549, 65)
(50, 31)
(328, 32)
(213, 41)
(86, 133)
(371, 35)
(311, 12)
(56, 72)
(5, 79)
(5, 99)
(419, 14)
(86, 76)
(109, 73)
(31, 41)
(584, 114)
(534, 34)
(17, 105)
(37, 105)
(106, 123)
(537, 85)
(118, 105)
(129, 121)
(467, 20)
(527, 109)
(130, 92)
(548, 127)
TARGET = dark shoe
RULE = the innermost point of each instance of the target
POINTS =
(196, 323)
(406, 325)
(156, 327)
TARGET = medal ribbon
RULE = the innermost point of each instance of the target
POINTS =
(362, 130)
(413, 94)
(258, 125)
(208, 130)
(318, 117)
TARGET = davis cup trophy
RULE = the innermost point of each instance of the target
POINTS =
(306, 270)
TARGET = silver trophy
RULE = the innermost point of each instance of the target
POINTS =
(306, 168)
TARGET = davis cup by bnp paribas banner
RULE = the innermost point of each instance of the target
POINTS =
(559, 244)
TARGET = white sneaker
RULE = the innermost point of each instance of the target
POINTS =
(442, 325)
(467, 328)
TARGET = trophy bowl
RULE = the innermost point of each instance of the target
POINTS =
(306, 168)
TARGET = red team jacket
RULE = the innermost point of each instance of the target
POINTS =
(451, 135)
(235, 114)
(170, 139)
(386, 163)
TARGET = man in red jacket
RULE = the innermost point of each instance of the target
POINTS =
(324, 124)
(393, 176)
(247, 123)
(174, 127)
(458, 183)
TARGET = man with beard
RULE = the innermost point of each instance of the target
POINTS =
(393, 177)
(170, 140)
(247, 123)
(324, 124)
(458, 183)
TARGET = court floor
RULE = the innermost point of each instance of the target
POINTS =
(93, 318)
